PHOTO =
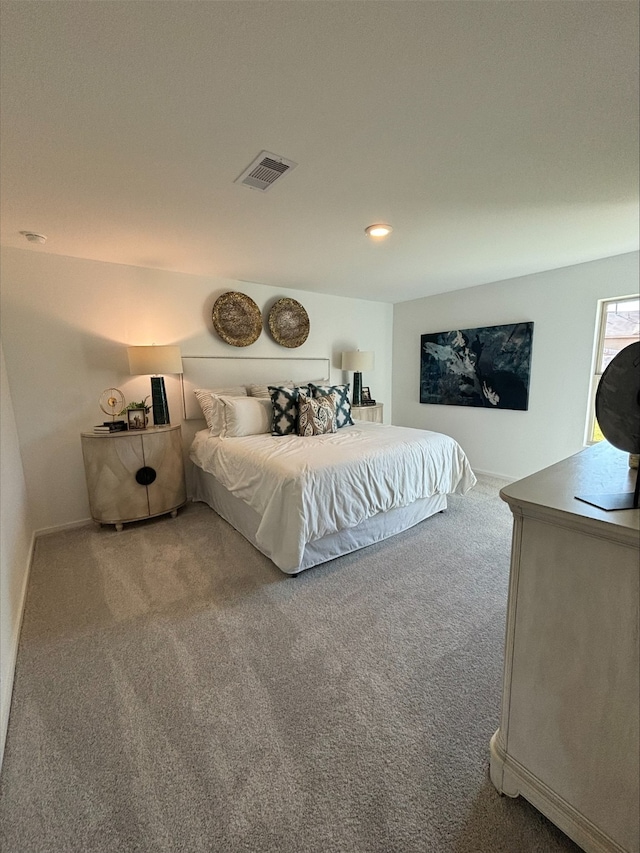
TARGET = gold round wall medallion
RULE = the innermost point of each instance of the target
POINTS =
(289, 323)
(237, 319)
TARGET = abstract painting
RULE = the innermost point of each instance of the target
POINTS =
(488, 366)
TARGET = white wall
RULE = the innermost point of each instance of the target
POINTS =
(562, 305)
(16, 537)
(66, 323)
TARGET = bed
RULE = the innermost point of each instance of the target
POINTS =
(302, 501)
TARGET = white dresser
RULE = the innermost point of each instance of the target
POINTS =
(134, 474)
(568, 737)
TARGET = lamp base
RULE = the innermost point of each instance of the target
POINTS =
(357, 389)
(159, 400)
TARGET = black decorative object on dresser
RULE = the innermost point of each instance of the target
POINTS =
(618, 414)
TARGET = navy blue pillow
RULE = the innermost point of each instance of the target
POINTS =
(343, 404)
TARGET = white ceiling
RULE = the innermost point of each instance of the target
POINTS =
(498, 138)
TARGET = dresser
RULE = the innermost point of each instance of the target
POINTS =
(134, 474)
(568, 738)
(367, 413)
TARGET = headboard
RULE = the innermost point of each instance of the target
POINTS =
(222, 371)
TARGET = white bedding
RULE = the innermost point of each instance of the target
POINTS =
(306, 488)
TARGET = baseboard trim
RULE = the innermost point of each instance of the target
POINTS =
(493, 474)
(6, 694)
(58, 528)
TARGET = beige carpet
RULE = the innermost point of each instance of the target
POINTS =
(175, 692)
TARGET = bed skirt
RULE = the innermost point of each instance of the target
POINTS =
(205, 488)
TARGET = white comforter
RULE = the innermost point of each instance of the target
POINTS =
(305, 488)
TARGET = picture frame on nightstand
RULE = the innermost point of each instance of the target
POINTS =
(136, 419)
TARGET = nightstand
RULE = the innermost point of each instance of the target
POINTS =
(134, 474)
(367, 413)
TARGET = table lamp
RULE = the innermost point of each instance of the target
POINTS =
(357, 361)
(156, 360)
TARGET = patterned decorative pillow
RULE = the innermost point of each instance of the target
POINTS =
(285, 409)
(343, 405)
(316, 415)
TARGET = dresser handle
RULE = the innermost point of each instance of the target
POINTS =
(145, 475)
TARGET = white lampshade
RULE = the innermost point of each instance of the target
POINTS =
(357, 361)
(154, 360)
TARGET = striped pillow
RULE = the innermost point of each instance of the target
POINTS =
(212, 408)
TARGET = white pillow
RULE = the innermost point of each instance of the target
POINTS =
(263, 390)
(246, 416)
(212, 409)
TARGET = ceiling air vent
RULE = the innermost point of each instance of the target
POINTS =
(265, 170)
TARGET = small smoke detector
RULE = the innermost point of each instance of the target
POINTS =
(32, 237)
(265, 170)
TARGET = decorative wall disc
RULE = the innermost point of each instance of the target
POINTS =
(289, 323)
(237, 319)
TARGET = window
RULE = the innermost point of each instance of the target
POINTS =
(618, 327)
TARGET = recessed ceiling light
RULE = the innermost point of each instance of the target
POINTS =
(32, 237)
(378, 230)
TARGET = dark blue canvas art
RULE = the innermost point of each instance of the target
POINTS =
(488, 367)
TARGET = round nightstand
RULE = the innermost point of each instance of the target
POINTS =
(367, 413)
(134, 474)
